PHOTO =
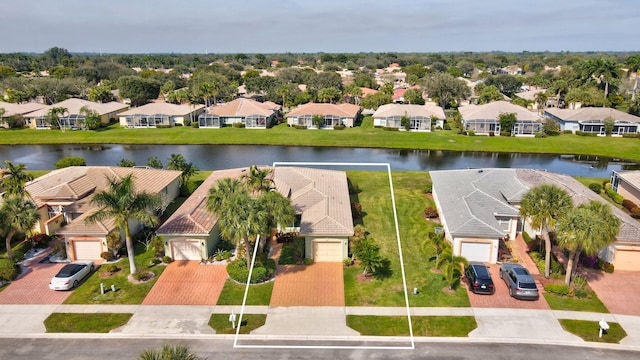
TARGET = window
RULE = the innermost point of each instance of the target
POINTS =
(209, 121)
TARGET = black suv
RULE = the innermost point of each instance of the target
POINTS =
(479, 278)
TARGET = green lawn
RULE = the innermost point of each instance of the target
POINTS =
(84, 323)
(362, 136)
(589, 330)
(449, 326)
(590, 304)
(221, 324)
(232, 294)
(378, 220)
(127, 293)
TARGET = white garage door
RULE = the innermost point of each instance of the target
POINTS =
(476, 251)
(627, 260)
(327, 251)
(86, 250)
(185, 250)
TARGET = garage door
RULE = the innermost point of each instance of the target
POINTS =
(327, 251)
(186, 250)
(476, 251)
(86, 250)
(627, 260)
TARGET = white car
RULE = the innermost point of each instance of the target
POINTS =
(70, 275)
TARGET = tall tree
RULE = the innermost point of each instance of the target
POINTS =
(178, 162)
(633, 63)
(258, 180)
(445, 88)
(54, 114)
(14, 179)
(544, 205)
(138, 90)
(122, 203)
(17, 214)
(586, 229)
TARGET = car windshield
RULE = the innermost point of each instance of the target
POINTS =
(482, 272)
(520, 271)
(526, 285)
(67, 270)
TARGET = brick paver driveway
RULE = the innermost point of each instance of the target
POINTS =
(618, 291)
(501, 298)
(318, 284)
(188, 283)
(33, 286)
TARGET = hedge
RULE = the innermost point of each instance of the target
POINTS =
(8, 270)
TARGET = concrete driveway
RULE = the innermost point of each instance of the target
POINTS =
(32, 287)
(618, 291)
(188, 283)
(318, 284)
(501, 298)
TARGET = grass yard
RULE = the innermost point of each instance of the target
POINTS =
(378, 219)
(590, 304)
(449, 326)
(232, 294)
(84, 323)
(127, 293)
(361, 136)
(220, 323)
(589, 331)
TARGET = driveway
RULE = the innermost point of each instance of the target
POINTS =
(188, 283)
(618, 291)
(318, 284)
(501, 298)
(32, 287)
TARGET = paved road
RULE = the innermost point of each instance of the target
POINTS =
(97, 349)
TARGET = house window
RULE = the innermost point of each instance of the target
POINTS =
(209, 121)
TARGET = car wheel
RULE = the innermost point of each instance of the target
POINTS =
(91, 269)
(500, 272)
(75, 284)
(511, 291)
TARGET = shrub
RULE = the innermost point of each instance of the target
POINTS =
(356, 210)
(338, 127)
(386, 128)
(262, 271)
(308, 261)
(238, 125)
(162, 126)
(107, 255)
(8, 270)
(70, 161)
(110, 268)
(429, 188)
(540, 135)
(491, 133)
(156, 261)
(595, 187)
(23, 247)
(225, 245)
(617, 198)
(552, 133)
(18, 256)
(606, 267)
(635, 213)
(300, 127)
(195, 125)
(628, 204)
(582, 133)
(447, 126)
(558, 289)
(140, 275)
(430, 212)
(567, 132)
(40, 240)
(166, 259)
(471, 133)
(347, 262)
(632, 136)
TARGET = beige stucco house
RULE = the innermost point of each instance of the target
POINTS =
(420, 116)
(20, 110)
(160, 114)
(252, 114)
(332, 114)
(483, 119)
(73, 118)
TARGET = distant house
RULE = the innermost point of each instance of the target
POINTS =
(398, 94)
(332, 114)
(510, 70)
(320, 199)
(73, 118)
(627, 184)
(591, 120)
(251, 113)
(483, 119)
(530, 95)
(160, 114)
(479, 208)
(20, 110)
(63, 198)
(420, 116)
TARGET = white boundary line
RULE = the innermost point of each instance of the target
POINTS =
(404, 279)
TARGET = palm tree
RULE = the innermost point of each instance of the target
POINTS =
(586, 229)
(368, 253)
(452, 266)
(178, 352)
(544, 205)
(54, 114)
(17, 214)
(177, 162)
(121, 202)
(602, 70)
(278, 208)
(541, 100)
(15, 178)
(633, 63)
(258, 180)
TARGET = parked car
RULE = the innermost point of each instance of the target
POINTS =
(519, 281)
(70, 275)
(479, 278)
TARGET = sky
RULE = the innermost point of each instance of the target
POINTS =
(310, 26)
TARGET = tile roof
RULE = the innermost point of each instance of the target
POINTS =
(20, 109)
(342, 110)
(631, 177)
(530, 94)
(243, 107)
(493, 109)
(163, 108)
(410, 110)
(74, 105)
(591, 114)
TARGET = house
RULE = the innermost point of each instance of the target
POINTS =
(73, 118)
(483, 119)
(530, 95)
(479, 207)
(627, 184)
(63, 199)
(420, 116)
(332, 114)
(251, 113)
(18, 110)
(398, 94)
(160, 114)
(592, 120)
(320, 199)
